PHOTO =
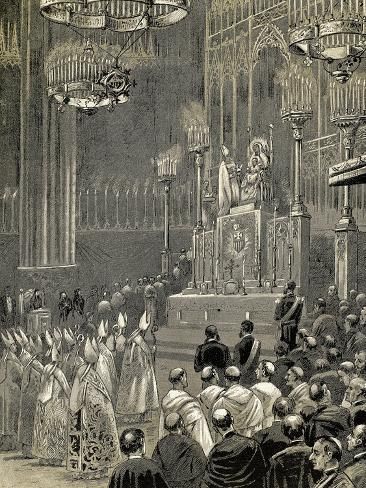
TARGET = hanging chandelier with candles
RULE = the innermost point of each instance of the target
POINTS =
(78, 77)
(332, 31)
(115, 15)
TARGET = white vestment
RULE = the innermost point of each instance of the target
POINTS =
(245, 407)
(267, 393)
(181, 402)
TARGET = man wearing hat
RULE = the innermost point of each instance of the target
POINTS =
(288, 314)
(212, 353)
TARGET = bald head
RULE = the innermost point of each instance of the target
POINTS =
(222, 420)
(232, 374)
(173, 423)
(209, 376)
(357, 439)
(177, 376)
(356, 390)
(310, 342)
(293, 427)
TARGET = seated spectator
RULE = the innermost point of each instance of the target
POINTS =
(211, 392)
(325, 374)
(235, 461)
(325, 324)
(327, 419)
(296, 354)
(354, 309)
(355, 339)
(180, 458)
(138, 471)
(282, 365)
(325, 458)
(292, 467)
(309, 356)
(346, 372)
(272, 440)
(360, 363)
(332, 301)
(299, 389)
(356, 444)
(357, 397)
(344, 311)
(334, 357)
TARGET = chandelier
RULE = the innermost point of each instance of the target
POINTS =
(332, 31)
(77, 77)
(115, 15)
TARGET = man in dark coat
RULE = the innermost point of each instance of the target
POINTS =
(356, 469)
(355, 339)
(356, 395)
(325, 458)
(332, 301)
(329, 376)
(213, 353)
(282, 365)
(180, 457)
(325, 324)
(288, 313)
(247, 353)
(8, 309)
(327, 419)
(272, 440)
(292, 467)
(236, 461)
(137, 471)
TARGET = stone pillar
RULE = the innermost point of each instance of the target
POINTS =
(47, 166)
(346, 248)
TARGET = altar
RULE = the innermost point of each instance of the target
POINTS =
(220, 310)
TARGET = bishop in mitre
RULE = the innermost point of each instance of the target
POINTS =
(93, 436)
(106, 367)
(72, 358)
(29, 357)
(138, 392)
(50, 421)
(116, 342)
(10, 383)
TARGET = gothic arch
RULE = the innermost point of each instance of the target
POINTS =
(270, 36)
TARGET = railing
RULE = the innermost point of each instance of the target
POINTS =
(138, 206)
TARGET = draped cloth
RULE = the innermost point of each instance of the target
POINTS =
(207, 398)
(176, 401)
(267, 394)
(106, 369)
(31, 383)
(245, 407)
(93, 444)
(236, 462)
(10, 383)
(137, 395)
(229, 191)
(50, 420)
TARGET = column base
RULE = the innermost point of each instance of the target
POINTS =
(300, 210)
(347, 222)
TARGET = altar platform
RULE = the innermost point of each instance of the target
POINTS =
(221, 310)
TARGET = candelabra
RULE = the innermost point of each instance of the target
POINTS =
(348, 113)
(330, 31)
(296, 109)
(198, 144)
(167, 173)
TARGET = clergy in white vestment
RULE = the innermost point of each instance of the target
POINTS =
(93, 444)
(106, 367)
(266, 391)
(299, 389)
(177, 400)
(211, 392)
(137, 397)
(244, 406)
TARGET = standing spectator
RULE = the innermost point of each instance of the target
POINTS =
(138, 471)
(92, 300)
(332, 301)
(160, 301)
(78, 303)
(246, 353)
(64, 306)
(292, 467)
(272, 440)
(212, 353)
(8, 309)
(266, 391)
(346, 372)
(180, 457)
(309, 356)
(353, 307)
(118, 300)
(325, 324)
(355, 339)
(325, 374)
(236, 461)
(288, 313)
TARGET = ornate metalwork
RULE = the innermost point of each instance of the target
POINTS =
(270, 36)
(115, 15)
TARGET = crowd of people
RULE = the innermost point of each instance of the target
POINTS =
(299, 420)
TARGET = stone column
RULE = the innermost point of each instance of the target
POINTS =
(346, 229)
(47, 167)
